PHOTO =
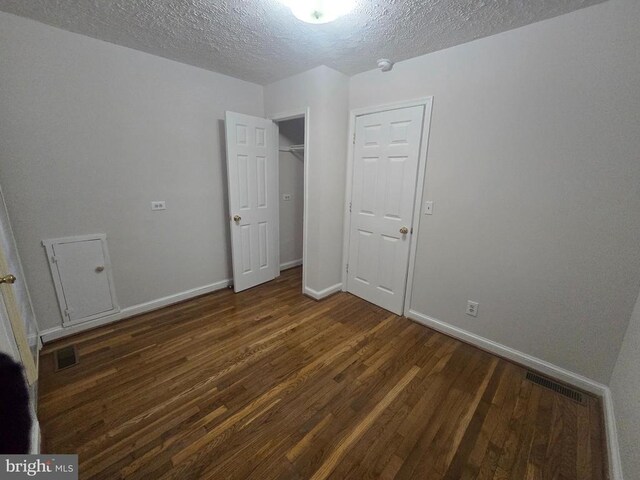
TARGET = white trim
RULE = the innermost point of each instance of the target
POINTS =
(306, 114)
(35, 437)
(276, 146)
(291, 264)
(348, 194)
(8, 343)
(611, 427)
(324, 293)
(559, 373)
(509, 353)
(59, 331)
(427, 103)
(391, 106)
(289, 115)
(417, 205)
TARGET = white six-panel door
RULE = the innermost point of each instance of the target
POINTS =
(252, 172)
(385, 168)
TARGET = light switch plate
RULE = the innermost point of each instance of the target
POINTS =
(158, 205)
(428, 208)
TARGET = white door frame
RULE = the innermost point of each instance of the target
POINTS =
(427, 102)
(290, 115)
(7, 339)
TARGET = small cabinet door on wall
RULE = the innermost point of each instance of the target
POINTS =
(81, 273)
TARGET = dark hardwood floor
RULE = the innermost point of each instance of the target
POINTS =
(271, 384)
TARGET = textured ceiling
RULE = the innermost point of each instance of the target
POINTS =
(261, 41)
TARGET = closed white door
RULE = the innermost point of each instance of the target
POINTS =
(252, 169)
(385, 168)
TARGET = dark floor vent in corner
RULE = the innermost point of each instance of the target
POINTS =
(556, 387)
(66, 357)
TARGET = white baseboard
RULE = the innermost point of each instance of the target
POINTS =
(291, 264)
(611, 427)
(35, 438)
(319, 295)
(60, 332)
(544, 367)
(541, 366)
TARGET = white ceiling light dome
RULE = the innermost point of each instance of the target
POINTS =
(319, 11)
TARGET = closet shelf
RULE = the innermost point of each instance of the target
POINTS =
(293, 148)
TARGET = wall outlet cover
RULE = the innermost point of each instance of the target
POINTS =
(472, 308)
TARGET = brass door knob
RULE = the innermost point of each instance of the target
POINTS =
(237, 218)
(404, 230)
(10, 279)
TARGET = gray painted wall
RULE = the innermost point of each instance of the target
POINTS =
(291, 171)
(90, 134)
(534, 170)
(625, 389)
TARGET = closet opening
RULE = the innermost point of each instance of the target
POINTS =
(292, 156)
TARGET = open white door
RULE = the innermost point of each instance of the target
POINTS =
(385, 169)
(19, 335)
(15, 302)
(252, 170)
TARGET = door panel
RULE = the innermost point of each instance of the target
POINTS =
(86, 290)
(253, 199)
(82, 276)
(385, 168)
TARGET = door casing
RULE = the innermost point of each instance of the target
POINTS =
(304, 113)
(427, 102)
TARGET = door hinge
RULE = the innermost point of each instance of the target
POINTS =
(347, 268)
(349, 207)
(67, 313)
(411, 231)
(354, 138)
(54, 259)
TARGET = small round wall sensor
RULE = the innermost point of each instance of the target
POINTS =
(385, 64)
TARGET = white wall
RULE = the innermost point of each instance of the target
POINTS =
(534, 170)
(90, 133)
(625, 389)
(291, 172)
(325, 92)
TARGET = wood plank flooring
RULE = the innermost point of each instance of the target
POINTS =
(269, 384)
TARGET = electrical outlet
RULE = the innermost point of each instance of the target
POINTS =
(286, 197)
(472, 308)
(158, 205)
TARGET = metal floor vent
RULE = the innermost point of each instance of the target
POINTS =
(556, 387)
(66, 357)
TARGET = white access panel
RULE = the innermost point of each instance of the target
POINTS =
(81, 272)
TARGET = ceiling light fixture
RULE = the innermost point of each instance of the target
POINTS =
(319, 11)
(385, 64)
